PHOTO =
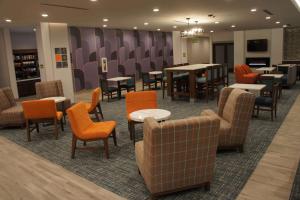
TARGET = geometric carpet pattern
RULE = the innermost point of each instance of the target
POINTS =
(119, 174)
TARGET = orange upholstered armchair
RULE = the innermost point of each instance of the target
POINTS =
(85, 129)
(92, 107)
(243, 74)
(38, 111)
(138, 101)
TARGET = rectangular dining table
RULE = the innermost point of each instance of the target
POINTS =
(192, 70)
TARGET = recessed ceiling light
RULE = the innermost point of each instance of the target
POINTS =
(217, 22)
(146, 23)
(268, 17)
(93, 0)
(155, 10)
(104, 25)
(284, 26)
(44, 15)
(105, 19)
(174, 26)
(8, 20)
(34, 29)
(158, 29)
(135, 27)
(253, 10)
(233, 26)
(278, 22)
(211, 31)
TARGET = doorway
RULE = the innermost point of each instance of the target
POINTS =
(223, 53)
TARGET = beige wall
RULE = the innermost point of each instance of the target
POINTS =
(179, 48)
(198, 50)
(225, 36)
(275, 44)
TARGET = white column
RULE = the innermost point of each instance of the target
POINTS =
(277, 46)
(239, 47)
(49, 37)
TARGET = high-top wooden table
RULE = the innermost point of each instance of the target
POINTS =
(192, 70)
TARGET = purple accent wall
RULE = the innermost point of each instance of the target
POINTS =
(128, 52)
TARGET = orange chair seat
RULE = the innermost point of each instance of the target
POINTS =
(251, 75)
(59, 115)
(88, 106)
(98, 130)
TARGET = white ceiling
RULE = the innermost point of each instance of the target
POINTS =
(129, 13)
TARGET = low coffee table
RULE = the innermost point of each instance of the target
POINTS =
(140, 115)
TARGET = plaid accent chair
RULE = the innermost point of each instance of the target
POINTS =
(235, 111)
(178, 155)
(11, 114)
(51, 89)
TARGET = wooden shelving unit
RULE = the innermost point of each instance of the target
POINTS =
(27, 71)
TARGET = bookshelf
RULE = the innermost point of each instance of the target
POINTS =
(27, 71)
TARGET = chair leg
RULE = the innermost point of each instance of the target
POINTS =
(100, 110)
(129, 129)
(96, 115)
(84, 143)
(114, 137)
(163, 89)
(106, 147)
(37, 127)
(74, 142)
(28, 131)
(62, 125)
(55, 129)
(207, 186)
(257, 112)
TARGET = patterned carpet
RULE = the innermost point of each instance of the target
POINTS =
(119, 174)
(295, 194)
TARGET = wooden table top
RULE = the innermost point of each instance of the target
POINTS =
(191, 67)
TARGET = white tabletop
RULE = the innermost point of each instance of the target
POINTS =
(121, 78)
(157, 114)
(273, 75)
(155, 72)
(191, 67)
(286, 65)
(266, 69)
(255, 87)
(56, 99)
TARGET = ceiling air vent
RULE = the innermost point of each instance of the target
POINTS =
(63, 6)
(268, 12)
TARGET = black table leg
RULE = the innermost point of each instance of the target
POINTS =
(119, 90)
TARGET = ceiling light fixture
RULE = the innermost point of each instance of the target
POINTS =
(34, 29)
(155, 10)
(146, 23)
(233, 26)
(192, 32)
(44, 15)
(278, 22)
(217, 22)
(158, 29)
(297, 3)
(104, 25)
(174, 26)
(253, 10)
(8, 20)
(135, 27)
(105, 19)
(268, 17)
(284, 26)
(211, 31)
(93, 0)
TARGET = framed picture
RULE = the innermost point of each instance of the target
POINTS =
(61, 57)
(104, 65)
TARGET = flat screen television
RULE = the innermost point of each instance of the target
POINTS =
(257, 45)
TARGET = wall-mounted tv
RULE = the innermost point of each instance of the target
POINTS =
(257, 45)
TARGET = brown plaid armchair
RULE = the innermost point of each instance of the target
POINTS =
(51, 89)
(11, 114)
(178, 155)
(235, 111)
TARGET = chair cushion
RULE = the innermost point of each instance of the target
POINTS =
(264, 101)
(98, 130)
(4, 101)
(112, 89)
(88, 106)
(150, 81)
(251, 75)
(12, 116)
(201, 80)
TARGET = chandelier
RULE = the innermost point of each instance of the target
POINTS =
(192, 32)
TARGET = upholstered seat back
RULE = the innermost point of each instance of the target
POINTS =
(6, 98)
(179, 153)
(49, 89)
(39, 109)
(236, 107)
